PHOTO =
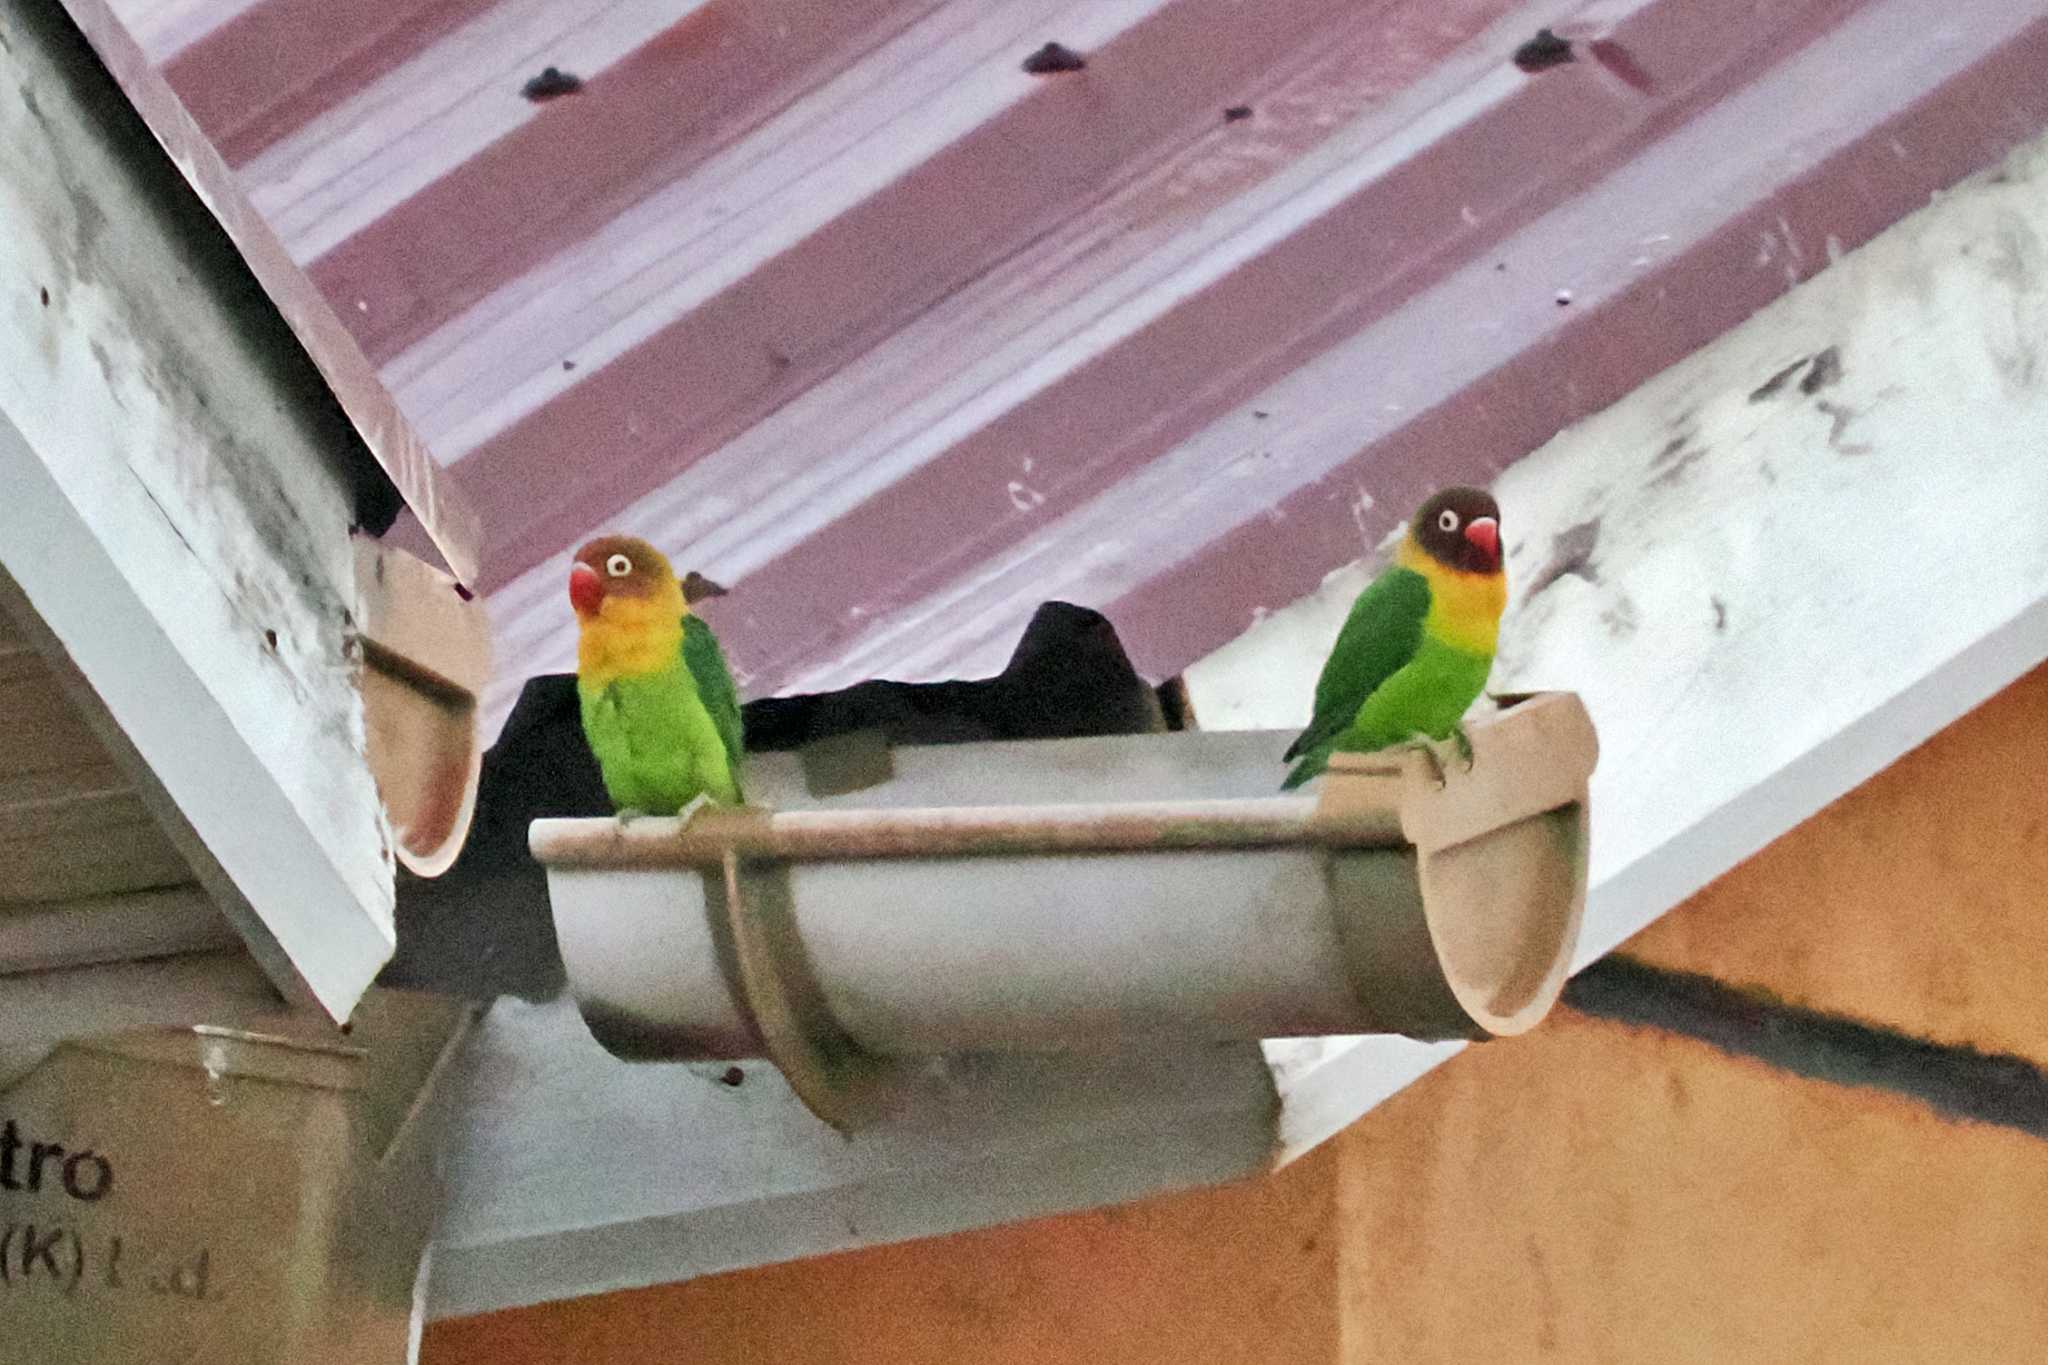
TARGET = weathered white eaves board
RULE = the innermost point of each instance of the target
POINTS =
(176, 514)
(1769, 572)
(1764, 598)
(344, 372)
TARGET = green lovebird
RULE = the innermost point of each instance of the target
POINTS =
(1416, 649)
(659, 707)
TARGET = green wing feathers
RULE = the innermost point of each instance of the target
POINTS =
(1381, 634)
(706, 662)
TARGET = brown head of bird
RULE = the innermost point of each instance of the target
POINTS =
(616, 571)
(1460, 529)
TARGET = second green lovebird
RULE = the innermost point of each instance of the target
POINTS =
(1415, 651)
(660, 710)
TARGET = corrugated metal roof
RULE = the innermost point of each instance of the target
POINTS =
(842, 306)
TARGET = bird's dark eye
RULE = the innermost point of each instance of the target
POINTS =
(1447, 520)
(618, 566)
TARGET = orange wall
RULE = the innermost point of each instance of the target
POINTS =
(1590, 1192)
(1213, 1276)
(1597, 1193)
(1919, 900)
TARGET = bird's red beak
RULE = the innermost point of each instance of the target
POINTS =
(1485, 533)
(586, 590)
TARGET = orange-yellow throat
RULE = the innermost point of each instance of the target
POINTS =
(1464, 608)
(629, 636)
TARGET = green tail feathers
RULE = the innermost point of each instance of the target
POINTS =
(1311, 765)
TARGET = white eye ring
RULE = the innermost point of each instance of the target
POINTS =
(618, 566)
(1447, 520)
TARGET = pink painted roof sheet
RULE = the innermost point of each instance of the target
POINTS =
(848, 310)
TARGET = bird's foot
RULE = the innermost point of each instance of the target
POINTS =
(689, 812)
(1442, 754)
(1463, 742)
(628, 814)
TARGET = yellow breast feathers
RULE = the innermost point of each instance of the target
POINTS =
(1464, 608)
(630, 636)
